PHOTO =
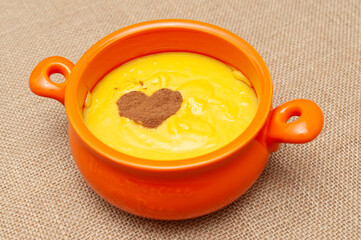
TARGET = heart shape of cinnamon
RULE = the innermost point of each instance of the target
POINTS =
(150, 111)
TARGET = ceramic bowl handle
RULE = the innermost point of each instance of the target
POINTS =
(304, 129)
(40, 82)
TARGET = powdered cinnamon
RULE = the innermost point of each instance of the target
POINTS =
(150, 111)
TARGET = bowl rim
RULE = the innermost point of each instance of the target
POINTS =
(117, 157)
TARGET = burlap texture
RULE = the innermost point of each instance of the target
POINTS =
(311, 191)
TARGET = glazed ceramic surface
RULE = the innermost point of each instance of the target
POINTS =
(183, 188)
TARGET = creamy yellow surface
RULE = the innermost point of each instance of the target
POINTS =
(218, 104)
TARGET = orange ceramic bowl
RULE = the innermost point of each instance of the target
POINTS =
(178, 189)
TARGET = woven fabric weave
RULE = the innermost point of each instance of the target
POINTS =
(310, 191)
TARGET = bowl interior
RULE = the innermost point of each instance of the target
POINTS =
(156, 37)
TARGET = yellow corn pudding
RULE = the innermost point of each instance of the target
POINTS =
(213, 104)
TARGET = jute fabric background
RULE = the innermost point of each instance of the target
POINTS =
(311, 191)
